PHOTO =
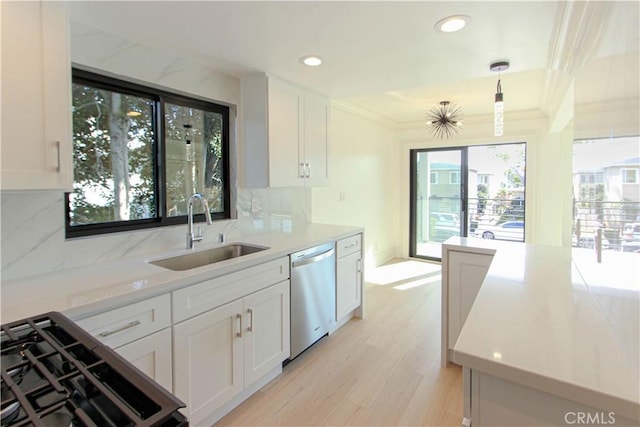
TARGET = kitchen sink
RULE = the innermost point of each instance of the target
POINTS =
(206, 257)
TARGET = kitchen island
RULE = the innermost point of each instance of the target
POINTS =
(551, 338)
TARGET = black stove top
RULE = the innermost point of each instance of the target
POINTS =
(55, 374)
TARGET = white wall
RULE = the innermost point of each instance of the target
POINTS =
(365, 183)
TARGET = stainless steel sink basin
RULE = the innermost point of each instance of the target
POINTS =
(206, 257)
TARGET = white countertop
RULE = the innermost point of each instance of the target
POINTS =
(554, 319)
(84, 291)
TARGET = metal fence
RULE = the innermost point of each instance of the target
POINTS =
(610, 216)
(433, 223)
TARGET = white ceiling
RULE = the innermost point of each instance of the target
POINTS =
(384, 57)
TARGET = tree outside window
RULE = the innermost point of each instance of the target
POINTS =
(136, 168)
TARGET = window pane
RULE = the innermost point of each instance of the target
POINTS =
(606, 193)
(437, 202)
(629, 176)
(194, 157)
(113, 157)
(497, 191)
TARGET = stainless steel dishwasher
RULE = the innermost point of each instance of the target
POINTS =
(313, 295)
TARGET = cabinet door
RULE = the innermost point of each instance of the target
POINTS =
(466, 273)
(316, 139)
(36, 99)
(207, 355)
(284, 113)
(266, 338)
(152, 355)
(348, 283)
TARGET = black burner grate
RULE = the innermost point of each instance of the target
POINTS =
(54, 373)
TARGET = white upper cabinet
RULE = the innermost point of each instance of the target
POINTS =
(36, 139)
(316, 139)
(286, 138)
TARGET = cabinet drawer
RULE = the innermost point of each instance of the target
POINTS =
(349, 245)
(131, 322)
(213, 293)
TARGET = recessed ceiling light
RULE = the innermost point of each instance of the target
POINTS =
(311, 60)
(453, 23)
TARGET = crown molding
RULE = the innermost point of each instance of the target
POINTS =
(615, 105)
(578, 32)
(364, 113)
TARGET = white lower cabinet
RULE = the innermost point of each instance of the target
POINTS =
(493, 401)
(152, 355)
(208, 360)
(466, 274)
(462, 277)
(220, 352)
(266, 337)
(348, 275)
(139, 332)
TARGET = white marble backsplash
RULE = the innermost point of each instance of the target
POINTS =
(149, 65)
(33, 235)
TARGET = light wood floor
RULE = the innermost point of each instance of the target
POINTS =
(381, 370)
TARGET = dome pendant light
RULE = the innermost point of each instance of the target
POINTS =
(498, 108)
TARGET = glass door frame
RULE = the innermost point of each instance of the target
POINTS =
(464, 177)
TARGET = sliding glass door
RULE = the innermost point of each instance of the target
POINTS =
(476, 191)
(436, 199)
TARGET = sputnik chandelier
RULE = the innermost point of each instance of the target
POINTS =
(444, 120)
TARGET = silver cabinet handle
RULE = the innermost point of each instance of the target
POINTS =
(250, 312)
(123, 328)
(308, 166)
(301, 173)
(58, 167)
(239, 333)
(359, 266)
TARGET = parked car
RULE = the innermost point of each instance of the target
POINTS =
(443, 232)
(509, 230)
(444, 225)
(631, 237)
(445, 219)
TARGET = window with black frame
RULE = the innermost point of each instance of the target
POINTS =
(140, 153)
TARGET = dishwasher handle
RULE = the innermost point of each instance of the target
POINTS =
(313, 259)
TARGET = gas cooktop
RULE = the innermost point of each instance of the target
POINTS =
(56, 374)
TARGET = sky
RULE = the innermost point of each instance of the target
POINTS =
(595, 154)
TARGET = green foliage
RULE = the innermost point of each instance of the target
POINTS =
(106, 123)
(93, 199)
(515, 174)
(206, 141)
